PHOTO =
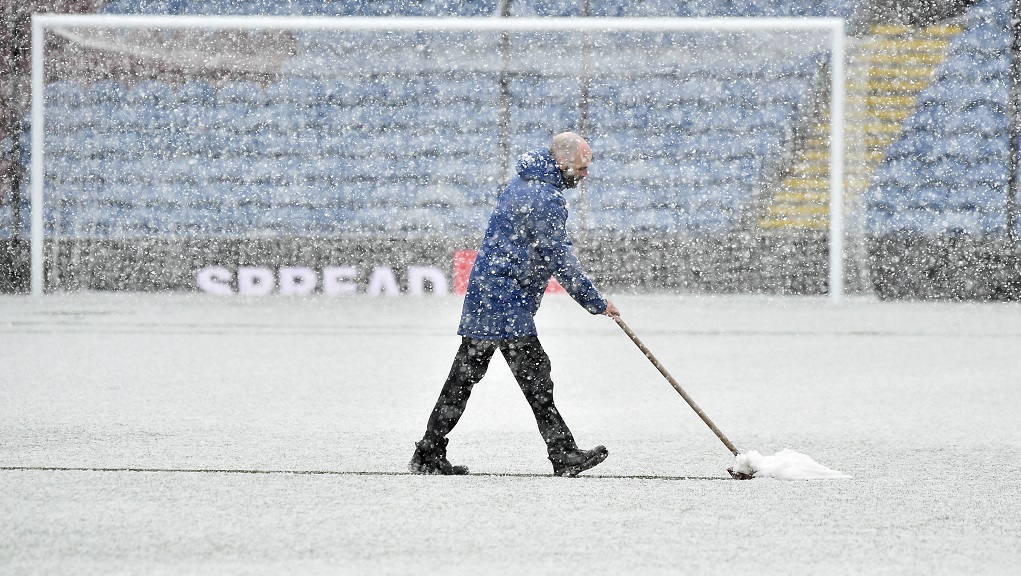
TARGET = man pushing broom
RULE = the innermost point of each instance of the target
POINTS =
(525, 244)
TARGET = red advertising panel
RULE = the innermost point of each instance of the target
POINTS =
(463, 262)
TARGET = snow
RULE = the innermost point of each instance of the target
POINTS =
(169, 433)
(784, 465)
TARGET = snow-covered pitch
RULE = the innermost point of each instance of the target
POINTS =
(189, 433)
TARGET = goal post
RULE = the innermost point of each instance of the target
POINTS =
(832, 28)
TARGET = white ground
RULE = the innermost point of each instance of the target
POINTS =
(197, 407)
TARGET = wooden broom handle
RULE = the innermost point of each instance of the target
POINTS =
(648, 354)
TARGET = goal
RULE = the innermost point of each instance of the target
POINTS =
(161, 145)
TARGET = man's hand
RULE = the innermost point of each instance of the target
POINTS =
(611, 309)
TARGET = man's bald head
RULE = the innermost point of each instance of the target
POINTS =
(572, 155)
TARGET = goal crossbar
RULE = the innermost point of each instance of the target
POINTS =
(834, 26)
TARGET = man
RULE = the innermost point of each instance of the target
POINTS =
(525, 243)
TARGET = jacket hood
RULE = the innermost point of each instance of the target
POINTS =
(540, 165)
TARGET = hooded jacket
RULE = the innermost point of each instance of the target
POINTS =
(525, 244)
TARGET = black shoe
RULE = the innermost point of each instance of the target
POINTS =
(573, 462)
(431, 458)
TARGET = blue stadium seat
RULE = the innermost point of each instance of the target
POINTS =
(245, 93)
(353, 195)
(993, 92)
(62, 118)
(932, 117)
(105, 93)
(197, 92)
(153, 118)
(327, 172)
(982, 39)
(123, 118)
(372, 220)
(422, 221)
(989, 148)
(888, 174)
(955, 147)
(126, 143)
(947, 170)
(931, 198)
(545, 8)
(990, 173)
(993, 223)
(295, 90)
(145, 6)
(64, 93)
(324, 196)
(476, 194)
(151, 93)
(787, 92)
(89, 171)
(978, 198)
(981, 119)
(329, 220)
(627, 196)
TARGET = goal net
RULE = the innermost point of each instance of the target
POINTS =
(165, 145)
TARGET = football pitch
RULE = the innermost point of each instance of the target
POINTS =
(186, 433)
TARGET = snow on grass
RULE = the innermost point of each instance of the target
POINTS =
(784, 465)
(182, 388)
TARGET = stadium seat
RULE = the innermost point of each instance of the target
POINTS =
(931, 117)
(978, 197)
(979, 119)
(105, 94)
(931, 198)
(330, 220)
(959, 145)
(982, 39)
(116, 145)
(151, 93)
(371, 221)
(294, 91)
(990, 173)
(64, 93)
(993, 92)
(207, 7)
(198, 92)
(144, 6)
(787, 92)
(989, 148)
(61, 118)
(902, 170)
(246, 93)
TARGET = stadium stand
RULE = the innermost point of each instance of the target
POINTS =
(206, 138)
(306, 150)
(898, 63)
(755, 8)
(947, 172)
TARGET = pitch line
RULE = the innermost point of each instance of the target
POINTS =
(337, 473)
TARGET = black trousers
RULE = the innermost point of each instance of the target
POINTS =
(531, 368)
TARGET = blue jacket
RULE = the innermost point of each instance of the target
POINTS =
(526, 242)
